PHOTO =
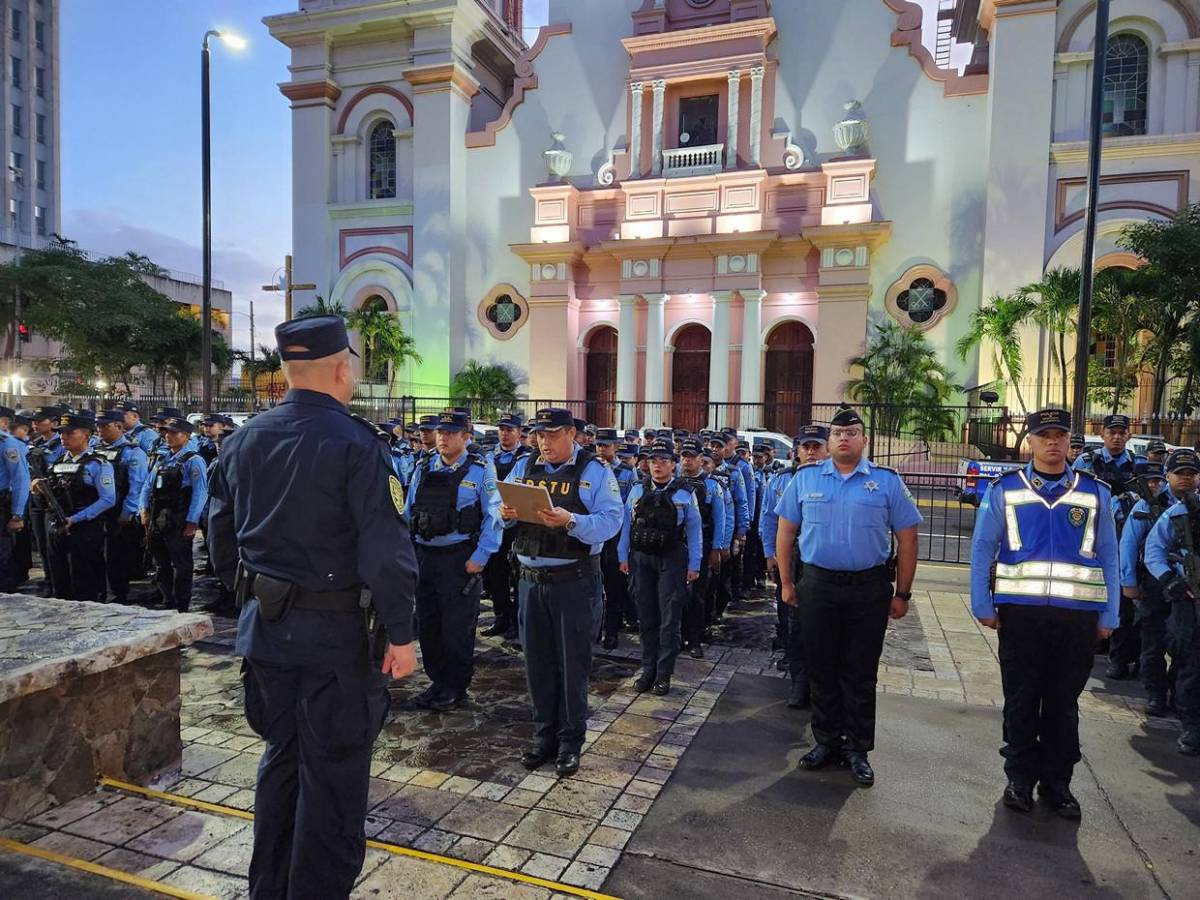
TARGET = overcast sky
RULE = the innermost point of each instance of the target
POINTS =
(131, 135)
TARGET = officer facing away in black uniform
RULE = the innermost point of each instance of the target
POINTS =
(305, 516)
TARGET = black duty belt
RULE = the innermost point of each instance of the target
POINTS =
(297, 597)
(456, 547)
(558, 574)
(832, 576)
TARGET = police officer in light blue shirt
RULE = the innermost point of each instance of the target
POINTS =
(173, 498)
(560, 582)
(717, 531)
(1047, 534)
(810, 446)
(136, 431)
(499, 578)
(1111, 462)
(846, 510)
(122, 530)
(1173, 536)
(14, 495)
(662, 544)
(453, 512)
(1163, 490)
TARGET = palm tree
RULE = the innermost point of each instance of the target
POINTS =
(384, 341)
(492, 386)
(904, 383)
(1055, 311)
(1118, 315)
(999, 323)
(322, 307)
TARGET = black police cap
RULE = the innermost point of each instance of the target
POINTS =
(512, 419)
(427, 423)
(48, 412)
(845, 417)
(111, 417)
(127, 406)
(552, 417)
(312, 337)
(1143, 469)
(693, 446)
(811, 434)
(177, 424)
(1077, 441)
(68, 421)
(607, 436)
(627, 450)
(7, 412)
(1117, 420)
(661, 449)
(1045, 419)
(453, 421)
(580, 424)
(1183, 458)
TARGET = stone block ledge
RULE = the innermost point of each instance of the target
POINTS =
(45, 642)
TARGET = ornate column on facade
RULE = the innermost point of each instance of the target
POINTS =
(718, 365)
(655, 338)
(660, 88)
(751, 357)
(626, 349)
(756, 92)
(731, 138)
(635, 130)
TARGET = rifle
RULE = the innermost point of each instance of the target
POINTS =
(56, 509)
(1186, 554)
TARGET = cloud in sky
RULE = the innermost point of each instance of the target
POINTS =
(108, 233)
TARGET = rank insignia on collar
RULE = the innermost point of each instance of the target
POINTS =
(872, 486)
(1037, 481)
(1077, 515)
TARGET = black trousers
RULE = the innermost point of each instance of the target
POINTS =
(75, 561)
(446, 619)
(172, 554)
(319, 725)
(661, 591)
(1152, 614)
(122, 554)
(558, 625)
(696, 603)
(9, 580)
(843, 629)
(23, 552)
(1125, 645)
(616, 588)
(500, 582)
(1046, 656)
(37, 527)
(1184, 643)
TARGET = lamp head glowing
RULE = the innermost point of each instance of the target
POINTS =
(232, 40)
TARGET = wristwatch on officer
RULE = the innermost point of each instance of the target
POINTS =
(571, 523)
(906, 596)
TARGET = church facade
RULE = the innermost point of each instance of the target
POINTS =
(706, 202)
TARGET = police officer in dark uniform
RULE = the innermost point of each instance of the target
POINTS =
(173, 498)
(499, 576)
(1047, 533)
(84, 485)
(305, 515)
(716, 529)
(453, 512)
(122, 528)
(845, 510)
(560, 583)
(45, 449)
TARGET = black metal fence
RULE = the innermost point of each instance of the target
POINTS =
(949, 516)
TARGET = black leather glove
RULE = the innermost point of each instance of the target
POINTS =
(1174, 588)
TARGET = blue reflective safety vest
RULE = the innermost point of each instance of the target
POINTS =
(1048, 552)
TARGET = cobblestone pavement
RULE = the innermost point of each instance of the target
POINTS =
(451, 784)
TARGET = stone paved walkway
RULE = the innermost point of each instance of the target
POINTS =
(451, 784)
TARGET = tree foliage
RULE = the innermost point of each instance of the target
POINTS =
(999, 324)
(322, 307)
(384, 341)
(491, 386)
(906, 385)
(107, 318)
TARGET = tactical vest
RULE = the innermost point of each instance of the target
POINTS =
(435, 507)
(698, 485)
(504, 468)
(563, 487)
(1185, 530)
(67, 484)
(1048, 553)
(169, 497)
(207, 452)
(1115, 476)
(116, 457)
(1158, 504)
(655, 528)
(625, 482)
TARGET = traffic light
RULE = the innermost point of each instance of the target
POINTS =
(23, 331)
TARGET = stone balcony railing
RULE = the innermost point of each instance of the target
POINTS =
(693, 161)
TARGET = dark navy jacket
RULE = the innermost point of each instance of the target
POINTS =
(306, 492)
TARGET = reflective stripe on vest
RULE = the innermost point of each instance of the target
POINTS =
(1063, 590)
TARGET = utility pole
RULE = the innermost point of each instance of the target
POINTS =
(288, 287)
(1086, 270)
(252, 330)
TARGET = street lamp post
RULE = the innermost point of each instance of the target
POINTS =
(235, 42)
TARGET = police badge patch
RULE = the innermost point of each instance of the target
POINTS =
(11, 454)
(396, 489)
(1077, 515)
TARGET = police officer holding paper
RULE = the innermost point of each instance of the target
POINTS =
(846, 510)
(453, 511)
(662, 545)
(560, 583)
(1049, 533)
(306, 515)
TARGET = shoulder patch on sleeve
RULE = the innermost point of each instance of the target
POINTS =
(11, 454)
(584, 485)
(396, 490)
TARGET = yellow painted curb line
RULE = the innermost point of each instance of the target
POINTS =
(96, 869)
(395, 849)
